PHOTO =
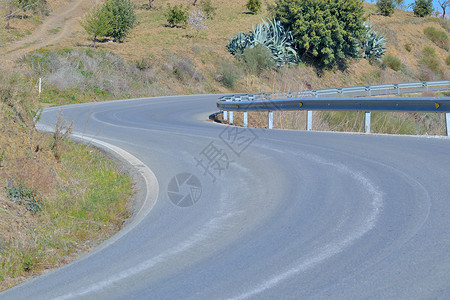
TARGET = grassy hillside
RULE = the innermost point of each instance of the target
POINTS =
(51, 211)
(160, 60)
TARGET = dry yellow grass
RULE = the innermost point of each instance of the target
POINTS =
(76, 215)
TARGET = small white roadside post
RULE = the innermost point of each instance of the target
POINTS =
(270, 120)
(447, 122)
(309, 120)
(367, 122)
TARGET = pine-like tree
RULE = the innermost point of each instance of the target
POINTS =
(423, 8)
(326, 31)
(386, 7)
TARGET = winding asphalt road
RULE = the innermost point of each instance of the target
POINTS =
(273, 215)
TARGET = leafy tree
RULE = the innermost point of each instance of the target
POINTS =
(386, 7)
(254, 6)
(122, 17)
(176, 15)
(96, 23)
(208, 8)
(423, 8)
(326, 31)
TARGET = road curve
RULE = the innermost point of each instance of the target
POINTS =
(272, 214)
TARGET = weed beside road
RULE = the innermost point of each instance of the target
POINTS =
(58, 199)
(88, 205)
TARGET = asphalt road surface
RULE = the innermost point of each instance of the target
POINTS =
(263, 214)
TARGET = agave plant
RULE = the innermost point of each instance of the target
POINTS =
(238, 43)
(374, 45)
(271, 35)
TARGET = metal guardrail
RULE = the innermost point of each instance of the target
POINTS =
(333, 99)
(356, 91)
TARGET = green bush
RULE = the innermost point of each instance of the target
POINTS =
(254, 6)
(386, 7)
(423, 8)
(257, 59)
(430, 64)
(228, 75)
(392, 62)
(429, 51)
(447, 60)
(96, 23)
(176, 15)
(439, 37)
(121, 16)
(326, 32)
(408, 47)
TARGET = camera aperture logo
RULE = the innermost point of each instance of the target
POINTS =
(184, 190)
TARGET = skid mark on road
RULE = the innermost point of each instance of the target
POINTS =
(210, 229)
(334, 248)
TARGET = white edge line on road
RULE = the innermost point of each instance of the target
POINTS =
(151, 184)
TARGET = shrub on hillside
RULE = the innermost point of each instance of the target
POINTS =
(229, 74)
(326, 32)
(176, 15)
(386, 7)
(392, 62)
(447, 60)
(423, 8)
(122, 18)
(254, 6)
(439, 37)
(430, 65)
(96, 23)
(257, 59)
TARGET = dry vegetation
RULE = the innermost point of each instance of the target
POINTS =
(57, 199)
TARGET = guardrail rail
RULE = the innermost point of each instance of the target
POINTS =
(360, 98)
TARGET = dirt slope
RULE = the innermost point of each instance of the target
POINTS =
(63, 21)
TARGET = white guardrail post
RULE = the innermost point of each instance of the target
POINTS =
(270, 116)
(231, 117)
(447, 122)
(245, 122)
(225, 115)
(309, 120)
(367, 122)
(309, 116)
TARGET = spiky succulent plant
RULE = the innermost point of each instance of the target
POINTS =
(270, 34)
(373, 46)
